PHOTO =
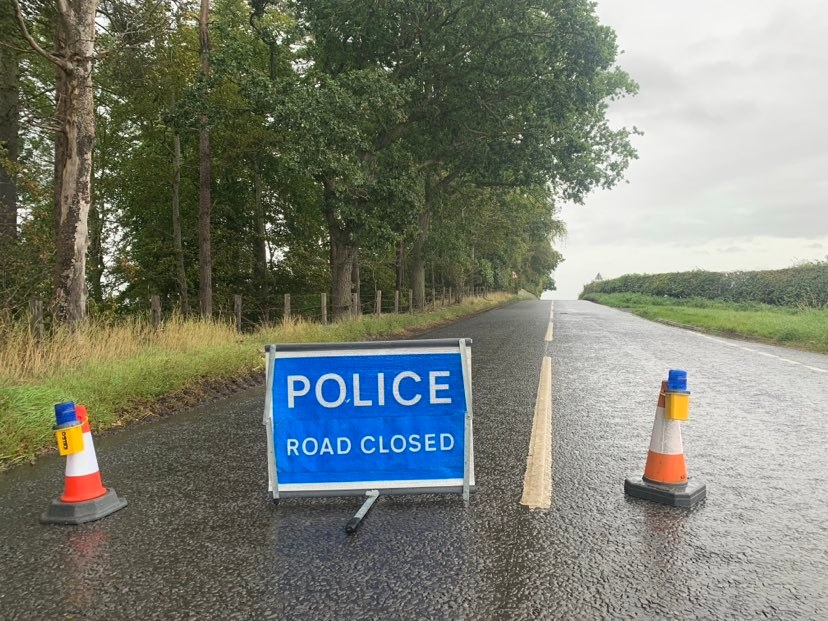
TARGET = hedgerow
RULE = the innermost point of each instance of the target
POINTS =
(805, 285)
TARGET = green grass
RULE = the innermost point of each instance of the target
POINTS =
(117, 369)
(793, 327)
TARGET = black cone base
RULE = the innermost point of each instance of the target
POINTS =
(60, 512)
(674, 495)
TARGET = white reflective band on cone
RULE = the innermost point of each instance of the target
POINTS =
(666, 438)
(85, 462)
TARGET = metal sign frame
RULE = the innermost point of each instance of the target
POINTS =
(462, 346)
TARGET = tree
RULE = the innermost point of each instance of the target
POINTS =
(494, 92)
(73, 57)
(514, 94)
(9, 127)
(205, 251)
(331, 119)
(312, 144)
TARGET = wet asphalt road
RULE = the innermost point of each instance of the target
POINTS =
(200, 540)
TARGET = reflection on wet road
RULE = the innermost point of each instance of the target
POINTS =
(199, 539)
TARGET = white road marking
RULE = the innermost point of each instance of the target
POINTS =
(550, 330)
(537, 481)
(756, 351)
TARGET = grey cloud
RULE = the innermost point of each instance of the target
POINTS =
(731, 148)
(698, 113)
(733, 108)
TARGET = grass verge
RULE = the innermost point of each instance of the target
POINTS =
(793, 327)
(116, 370)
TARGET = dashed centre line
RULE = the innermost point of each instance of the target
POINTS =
(550, 331)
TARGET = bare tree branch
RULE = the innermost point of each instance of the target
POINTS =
(34, 44)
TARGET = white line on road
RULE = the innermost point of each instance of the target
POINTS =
(761, 353)
(537, 481)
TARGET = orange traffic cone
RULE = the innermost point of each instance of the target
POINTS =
(665, 473)
(84, 497)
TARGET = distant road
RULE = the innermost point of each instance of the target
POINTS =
(199, 539)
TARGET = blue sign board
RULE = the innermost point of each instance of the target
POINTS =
(349, 417)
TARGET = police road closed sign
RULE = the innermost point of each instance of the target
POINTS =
(345, 418)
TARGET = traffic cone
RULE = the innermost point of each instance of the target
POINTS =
(84, 497)
(665, 473)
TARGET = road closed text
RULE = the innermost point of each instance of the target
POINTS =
(369, 444)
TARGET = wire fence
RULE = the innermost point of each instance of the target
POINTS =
(249, 315)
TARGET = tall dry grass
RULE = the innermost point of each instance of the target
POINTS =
(23, 359)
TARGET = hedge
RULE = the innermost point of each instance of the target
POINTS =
(805, 285)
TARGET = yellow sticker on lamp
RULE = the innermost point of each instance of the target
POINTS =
(676, 406)
(70, 440)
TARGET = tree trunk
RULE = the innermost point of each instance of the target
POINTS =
(76, 26)
(9, 126)
(473, 275)
(356, 281)
(433, 286)
(205, 253)
(260, 270)
(401, 265)
(178, 246)
(342, 258)
(418, 260)
(61, 98)
(95, 255)
(342, 261)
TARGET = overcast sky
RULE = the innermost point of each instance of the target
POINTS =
(733, 168)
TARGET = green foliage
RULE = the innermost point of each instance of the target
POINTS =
(804, 285)
(488, 234)
(502, 104)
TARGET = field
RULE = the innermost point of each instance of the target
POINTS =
(118, 370)
(803, 328)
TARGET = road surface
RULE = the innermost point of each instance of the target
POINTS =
(199, 539)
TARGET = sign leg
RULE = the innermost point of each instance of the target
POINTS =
(354, 522)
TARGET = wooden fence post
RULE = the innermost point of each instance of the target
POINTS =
(396, 301)
(286, 314)
(378, 304)
(155, 306)
(411, 300)
(36, 318)
(324, 309)
(237, 312)
(443, 303)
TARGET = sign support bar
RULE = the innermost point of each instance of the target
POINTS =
(272, 475)
(466, 358)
